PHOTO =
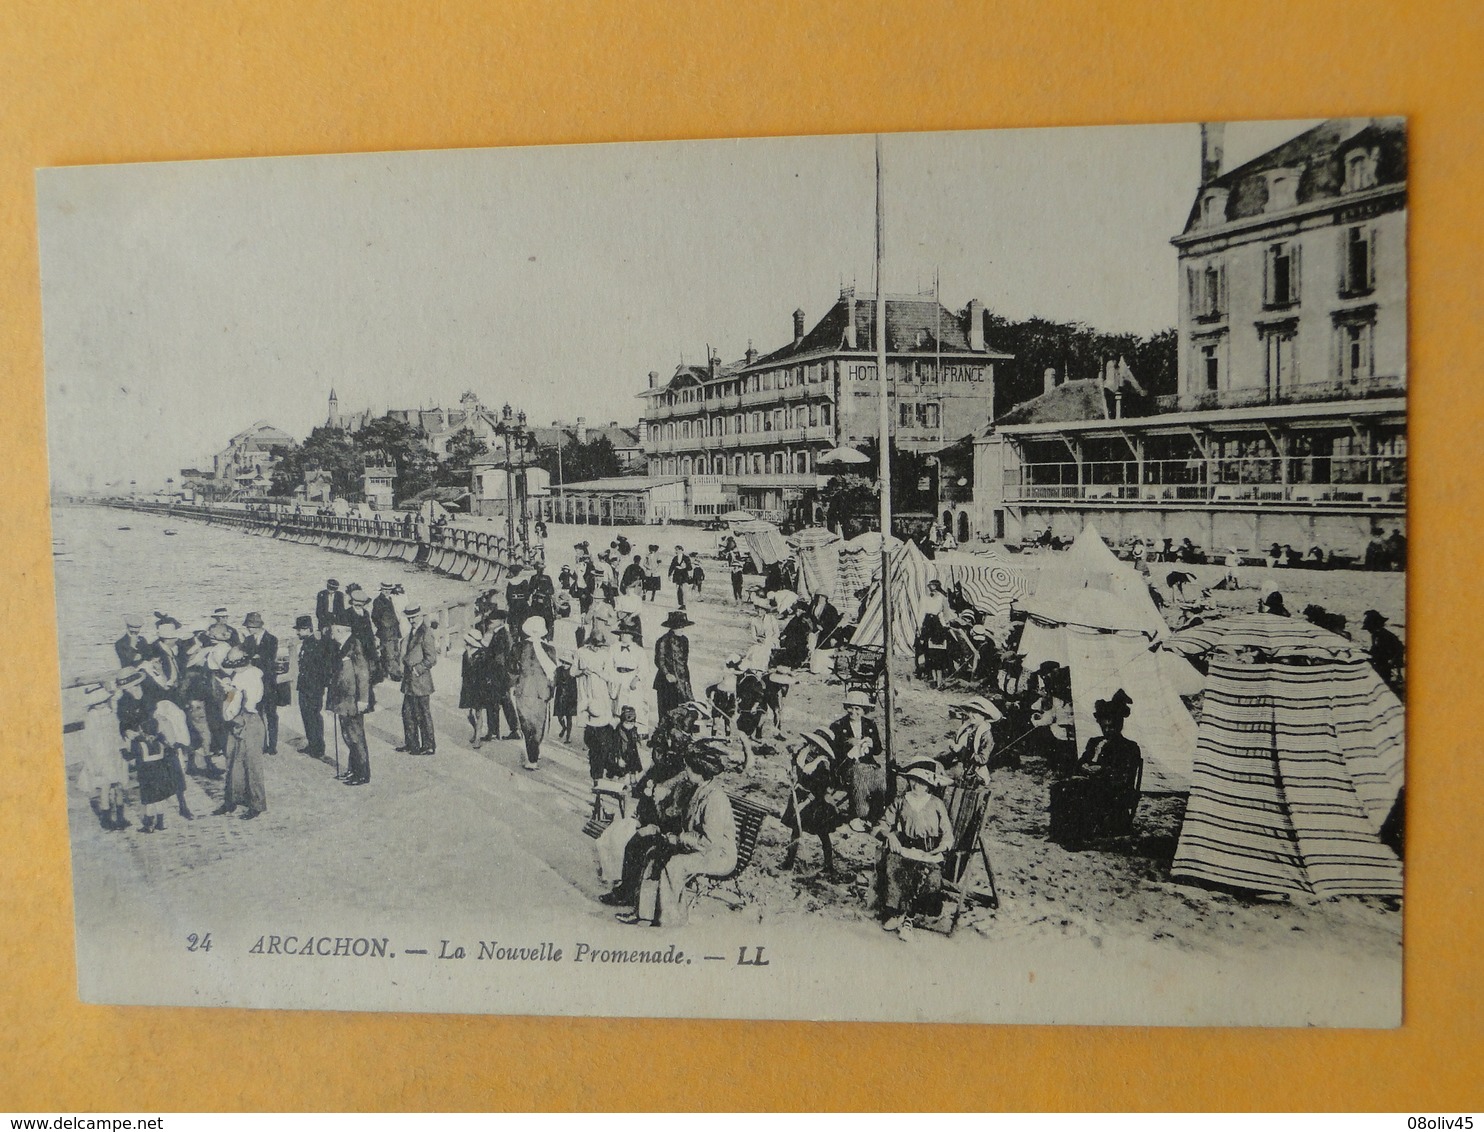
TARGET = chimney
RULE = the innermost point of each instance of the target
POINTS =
(654, 379)
(581, 430)
(976, 325)
(1213, 135)
(751, 353)
(1048, 380)
(848, 298)
(798, 326)
(713, 363)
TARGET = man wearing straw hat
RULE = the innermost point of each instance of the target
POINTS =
(131, 648)
(860, 760)
(419, 655)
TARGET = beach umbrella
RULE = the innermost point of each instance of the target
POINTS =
(843, 455)
(1270, 635)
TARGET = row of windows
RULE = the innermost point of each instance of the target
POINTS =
(755, 463)
(1206, 293)
(741, 424)
(1353, 355)
(909, 372)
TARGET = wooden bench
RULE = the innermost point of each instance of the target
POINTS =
(750, 817)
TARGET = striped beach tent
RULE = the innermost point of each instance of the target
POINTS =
(859, 561)
(818, 554)
(1298, 762)
(910, 574)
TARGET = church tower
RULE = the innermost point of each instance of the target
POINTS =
(334, 419)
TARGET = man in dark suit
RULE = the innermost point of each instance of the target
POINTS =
(348, 697)
(418, 657)
(860, 761)
(316, 668)
(672, 664)
(328, 606)
(502, 656)
(131, 648)
(517, 596)
(388, 632)
(358, 617)
(261, 648)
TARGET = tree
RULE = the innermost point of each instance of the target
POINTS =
(597, 459)
(329, 449)
(464, 447)
(1077, 352)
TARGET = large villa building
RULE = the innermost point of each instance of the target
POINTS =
(1289, 424)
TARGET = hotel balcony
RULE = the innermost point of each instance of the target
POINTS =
(1375, 483)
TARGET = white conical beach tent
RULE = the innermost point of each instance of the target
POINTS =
(1106, 644)
(1298, 763)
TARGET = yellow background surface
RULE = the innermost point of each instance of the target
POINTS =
(113, 82)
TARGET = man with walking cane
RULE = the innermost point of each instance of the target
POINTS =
(315, 669)
(349, 692)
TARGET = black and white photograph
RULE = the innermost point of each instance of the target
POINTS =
(941, 577)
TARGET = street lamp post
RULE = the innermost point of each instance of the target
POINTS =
(516, 439)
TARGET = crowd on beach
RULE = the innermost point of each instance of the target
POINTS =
(569, 653)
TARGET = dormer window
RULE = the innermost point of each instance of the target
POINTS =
(1213, 208)
(1360, 170)
(1282, 189)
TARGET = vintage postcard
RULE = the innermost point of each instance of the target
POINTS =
(928, 577)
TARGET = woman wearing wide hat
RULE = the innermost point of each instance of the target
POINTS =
(916, 832)
(860, 760)
(706, 843)
(245, 734)
(672, 684)
(1095, 798)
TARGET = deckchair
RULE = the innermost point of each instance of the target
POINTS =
(968, 809)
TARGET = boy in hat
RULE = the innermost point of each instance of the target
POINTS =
(916, 832)
(261, 647)
(705, 844)
(418, 658)
(672, 664)
(860, 761)
(316, 668)
(809, 807)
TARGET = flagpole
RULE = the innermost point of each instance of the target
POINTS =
(884, 448)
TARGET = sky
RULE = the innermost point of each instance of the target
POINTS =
(183, 301)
